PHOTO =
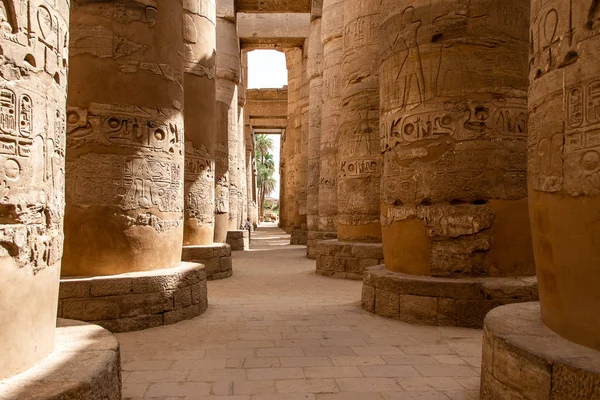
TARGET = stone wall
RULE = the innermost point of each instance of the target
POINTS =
(345, 260)
(135, 301)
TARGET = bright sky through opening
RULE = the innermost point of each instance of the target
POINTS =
(266, 69)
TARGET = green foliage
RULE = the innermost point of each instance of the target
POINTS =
(265, 168)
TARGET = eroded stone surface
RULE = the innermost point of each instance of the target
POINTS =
(199, 37)
(86, 364)
(454, 128)
(346, 260)
(125, 144)
(138, 300)
(359, 158)
(33, 81)
(563, 164)
(522, 358)
(441, 301)
(216, 259)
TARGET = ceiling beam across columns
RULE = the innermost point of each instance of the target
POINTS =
(274, 29)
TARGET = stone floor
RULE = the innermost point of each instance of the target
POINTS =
(277, 331)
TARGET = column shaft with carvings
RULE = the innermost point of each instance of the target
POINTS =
(293, 139)
(200, 90)
(359, 162)
(125, 143)
(333, 42)
(228, 77)
(315, 77)
(34, 40)
(453, 83)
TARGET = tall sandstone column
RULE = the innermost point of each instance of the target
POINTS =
(293, 138)
(315, 77)
(564, 199)
(358, 164)
(228, 77)
(33, 67)
(454, 129)
(564, 165)
(333, 42)
(125, 144)
(199, 31)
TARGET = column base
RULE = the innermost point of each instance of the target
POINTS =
(429, 300)
(313, 238)
(299, 237)
(238, 240)
(215, 257)
(347, 260)
(523, 359)
(136, 301)
(85, 364)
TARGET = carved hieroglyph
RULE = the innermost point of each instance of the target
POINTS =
(125, 143)
(453, 84)
(293, 137)
(332, 25)
(359, 160)
(315, 76)
(199, 35)
(228, 77)
(564, 164)
(33, 81)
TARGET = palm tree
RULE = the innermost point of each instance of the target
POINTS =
(265, 169)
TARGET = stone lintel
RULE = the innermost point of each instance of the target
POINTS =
(346, 260)
(137, 300)
(85, 364)
(276, 27)
(429, 300)
(215, 257)
(274, 6)
(523, 359)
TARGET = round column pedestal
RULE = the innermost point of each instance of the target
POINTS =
(85, 364)
(137, 300)
(215, 257)
(299, 237)
(523, 359)
(347, 260)
(313, 239)
(441, 301)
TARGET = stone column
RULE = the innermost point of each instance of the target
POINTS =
(293, 139)
(200, 90)
(564, 161)
(228, 77)
(315, 76)
(564, 199)
(33, 86)
(125, 144)
(299, 234)
(283, 192)
(358, 163)
(250, 173)
(333, 43)
(454, 131)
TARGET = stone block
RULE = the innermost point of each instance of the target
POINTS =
(181, 314)
(365, 263)
(367, 250)
(511, 365)
(221, 275)
(354, 276)
(182, 298)
(325, 263)
(368, 298)
(339, 264)
(387, 304)
(212, 266)
(352, 266)
(569, 382)
(446, 312)
(223, 251)
(99, 308)
(110, 286)
(196, 253)
(131, 324)
(470, 313)
(418, 309)
(226, 264)
(522, 288)
(144, 304)
(74, 288)
(73, 309)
